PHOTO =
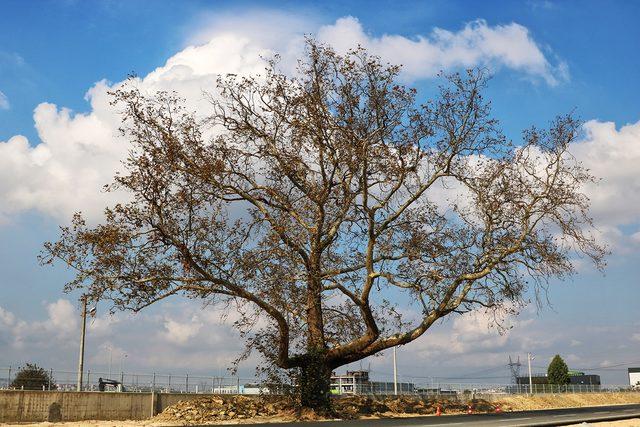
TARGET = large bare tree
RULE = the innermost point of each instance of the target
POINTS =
(333, 209)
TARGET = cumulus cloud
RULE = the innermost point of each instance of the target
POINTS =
(473, 333)
(63, 317)
(476, 44)
(191, 343)
(4, 101)
(61, 322)
(613, 156)
(206, 343)
(180, 332)
(65, 172)
(80, 152)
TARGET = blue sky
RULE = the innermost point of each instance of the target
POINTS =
(547, 58)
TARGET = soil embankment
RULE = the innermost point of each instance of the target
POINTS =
(566, 400)
(269, 408)
(254, 409)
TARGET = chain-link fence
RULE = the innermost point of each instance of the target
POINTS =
(171, 383)
(134, 382)
(385, 388)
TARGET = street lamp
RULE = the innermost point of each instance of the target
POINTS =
(530, 357)
(122, 357)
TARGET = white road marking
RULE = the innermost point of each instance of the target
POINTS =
(514, 419)
(603, 412)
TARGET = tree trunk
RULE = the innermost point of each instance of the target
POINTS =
(314, 383)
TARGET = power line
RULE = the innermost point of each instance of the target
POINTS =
(602, 368)
(610, 366)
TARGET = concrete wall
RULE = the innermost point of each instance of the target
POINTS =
(32, 406)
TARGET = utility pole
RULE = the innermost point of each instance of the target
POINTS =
(81, 358)
(395, 372)
(529, 359)
(110, 359)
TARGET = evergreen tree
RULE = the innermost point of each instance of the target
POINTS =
(558, 371)
(33, 377)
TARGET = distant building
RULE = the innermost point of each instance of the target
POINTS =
(249, 388)
(575, 378)
(535, 379)
(358, 382)
(634, 377)
(584, 379)
(228, 389)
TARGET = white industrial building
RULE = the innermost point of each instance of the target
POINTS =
(634, 377)
(358, 382)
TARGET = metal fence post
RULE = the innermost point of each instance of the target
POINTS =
(186, 383)
(153, 384)
(169, 384)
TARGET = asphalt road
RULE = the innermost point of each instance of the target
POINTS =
(551, 417)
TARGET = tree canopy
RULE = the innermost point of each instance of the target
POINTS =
(338, 215)
(33, 377)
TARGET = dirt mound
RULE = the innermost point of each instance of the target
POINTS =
(243, 409)
(262, 408)
(222, 408)
(566, 400)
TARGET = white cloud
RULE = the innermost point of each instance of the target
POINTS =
(185, 341)
(4, 101)
(180, 332)
(205, 343)
(80, 152)
(613, 156)
(63, 317)
(6, 318)
(476, 44)
(469, 334)
(271, 29)
(64, 173)
(60, 324)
